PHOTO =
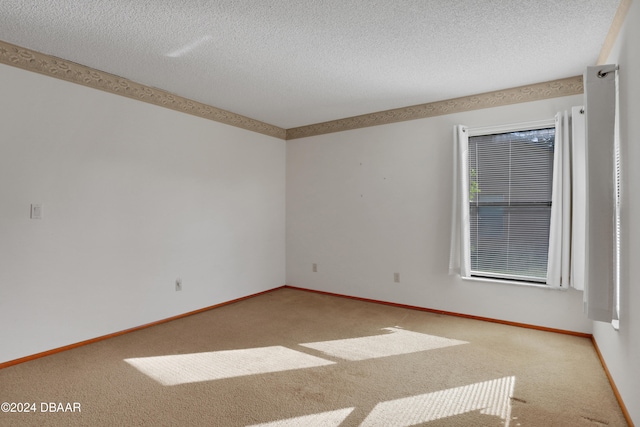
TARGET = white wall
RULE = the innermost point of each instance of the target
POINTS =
(134, 196)
(366, 203)
(621, 349)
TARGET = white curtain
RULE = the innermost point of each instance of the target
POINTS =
(579, 198)
(559, 260)
(459, 256)
(601, 238)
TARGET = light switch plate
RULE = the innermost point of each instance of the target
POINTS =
(36, 211)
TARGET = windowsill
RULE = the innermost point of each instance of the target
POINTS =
(512, 282)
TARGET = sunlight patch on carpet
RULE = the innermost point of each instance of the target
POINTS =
(489, 397)
(398, 341)
(323, 419)
(196, 367)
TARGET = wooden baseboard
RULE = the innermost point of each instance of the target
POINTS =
(126, 331)
(449, 313)
(625, 412)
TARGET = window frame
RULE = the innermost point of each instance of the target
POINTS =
(501, 129)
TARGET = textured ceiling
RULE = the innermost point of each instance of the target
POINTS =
(293, 63)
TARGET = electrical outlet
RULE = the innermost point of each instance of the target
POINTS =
(178, 284)
(314, 267)
(396, 277)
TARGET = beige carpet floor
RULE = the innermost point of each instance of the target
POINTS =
(296, 358)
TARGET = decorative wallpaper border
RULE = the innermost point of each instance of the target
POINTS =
(69, 71)
(66, 70)
(535, 92)
(614, 30)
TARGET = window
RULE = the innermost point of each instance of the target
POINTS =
(510, 177)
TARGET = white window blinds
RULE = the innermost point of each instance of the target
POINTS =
(510, 179)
